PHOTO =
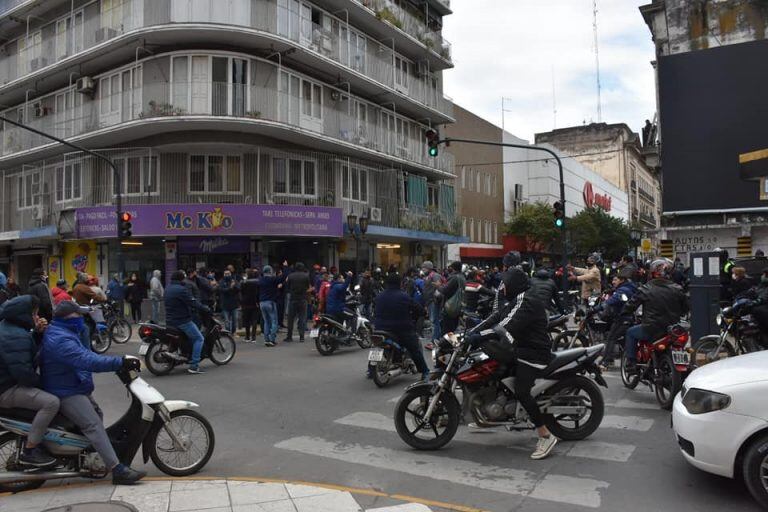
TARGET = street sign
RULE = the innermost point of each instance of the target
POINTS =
(645, 245)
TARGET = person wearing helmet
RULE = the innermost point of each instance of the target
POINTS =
(524, 322)
(543, 287)
(474, 290)
(509, 262)
(589, 278)
(612, 310)
(663, 304)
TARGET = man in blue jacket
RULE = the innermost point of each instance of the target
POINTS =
(180, 308)
(612, 309)
(66, 367)
(19, 382)
(116, 292)
(269, 292)
(337, 295)
(396, 313)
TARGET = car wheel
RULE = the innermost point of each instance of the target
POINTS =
(755, 469)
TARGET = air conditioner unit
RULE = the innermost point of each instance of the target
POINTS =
(37, 213)
(85, 85)
(105, 34)
(38, 63)
(375, 214)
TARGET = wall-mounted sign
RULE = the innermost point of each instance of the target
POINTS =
(591, 199)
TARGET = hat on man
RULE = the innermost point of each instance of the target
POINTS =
(267, 270)
(428, 265)
(67, 307)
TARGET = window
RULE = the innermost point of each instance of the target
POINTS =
(432, 197)
(68, 182)
(354, 184)
(294, 177)
(357, 50)
(216, 173)
(478, 177)
(471, 229)
(463, 178)
(29, 189)
(139, 175)
(401, 73)
(495, 186)
(112, 13)
(495, 232)
(463, 226)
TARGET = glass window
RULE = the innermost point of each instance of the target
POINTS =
(278, 169)
(180, 82)
(295, 176)
(355, 184)
(363, 185)
(345, 182)
(233, 173)
(59, 184)
(317, 101)
(133, 176)
(215, 174)
(114, 98)
(29, 189)
(309, 178)
(306, 93)
(197, 173)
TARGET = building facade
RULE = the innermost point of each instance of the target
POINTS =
(615, 152)
(244, 131)
(712, 109)
(479, 189)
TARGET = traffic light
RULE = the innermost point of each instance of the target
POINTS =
(432, 138)
(124, 226)
(559, 212)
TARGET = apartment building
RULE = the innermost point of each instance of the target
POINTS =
(245, 131)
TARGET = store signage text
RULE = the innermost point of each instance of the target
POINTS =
(600, 200)
(695, 243)
(215, 220)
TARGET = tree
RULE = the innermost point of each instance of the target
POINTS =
(593, 230)
(534, 222)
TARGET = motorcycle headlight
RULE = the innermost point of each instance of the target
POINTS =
(700, 401)
(435, 353)
(719, 320)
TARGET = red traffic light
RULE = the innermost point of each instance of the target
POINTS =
(126, 217)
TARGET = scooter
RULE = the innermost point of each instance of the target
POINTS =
(178, 439)
(388, 359)
(329, 334)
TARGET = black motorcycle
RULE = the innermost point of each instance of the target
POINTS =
(329, 333)
(737, 323)
(118, 328)
(165, 347)
(388, 359)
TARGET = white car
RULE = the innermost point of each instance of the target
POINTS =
(720, 418)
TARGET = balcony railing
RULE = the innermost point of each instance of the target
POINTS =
(89, 28)
(645, 195)
(648, 218)
(380, 130)
(7, 5)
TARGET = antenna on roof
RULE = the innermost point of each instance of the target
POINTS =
(597, 62)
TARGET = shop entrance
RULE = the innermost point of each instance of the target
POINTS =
(216, 262)
(25, 264)
(214, 253)
(305, 251)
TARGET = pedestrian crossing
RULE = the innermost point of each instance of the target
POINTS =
(629, 416)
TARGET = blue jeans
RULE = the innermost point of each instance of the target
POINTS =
(367, 310)
(155, 311)
(269, 315)
(230, 319)
(196, 338)
(634, 335)
(434, 317)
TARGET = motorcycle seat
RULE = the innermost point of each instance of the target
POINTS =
(557, 321)
(174, 330)
(60, 421)
(563, 358)
(385, 334)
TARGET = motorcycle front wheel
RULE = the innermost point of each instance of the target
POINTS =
(196, 436)
(8, 447)
(120, 331)
(364, 337)
(100, 342)
(155, 361)
(426, 435)
(575, 391)
(707, 352)
(223, 350)
(668, 383)
(324, 343)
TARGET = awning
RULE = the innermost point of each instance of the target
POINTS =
(481, 252)
(753, 165)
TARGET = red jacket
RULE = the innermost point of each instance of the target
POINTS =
(59, 295)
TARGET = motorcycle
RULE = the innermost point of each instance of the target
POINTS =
(388, 359)
(178, 439)
(427, 415)
(662, 365)
(98, 331)
(165, 347)
(118, 328)
(590, 329)
(330, 334)
(734, 322)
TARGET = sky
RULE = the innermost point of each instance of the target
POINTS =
(514, 48)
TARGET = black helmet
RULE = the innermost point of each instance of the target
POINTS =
(511, 259)
(542, 273)
(515, 282)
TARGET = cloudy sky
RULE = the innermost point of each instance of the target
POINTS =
(512, 48)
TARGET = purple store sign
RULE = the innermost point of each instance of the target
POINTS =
(214, 245)
(213, 220)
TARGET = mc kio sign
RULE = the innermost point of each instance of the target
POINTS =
(591, 199)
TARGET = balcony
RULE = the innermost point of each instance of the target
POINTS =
(648, 219)
(325, 121)
(366, 64)
(645, 195)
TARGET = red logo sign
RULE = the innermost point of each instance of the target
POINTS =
(600, 200)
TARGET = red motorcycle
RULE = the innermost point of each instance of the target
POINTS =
(663, 365)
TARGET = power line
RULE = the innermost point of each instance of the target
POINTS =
(540, 159)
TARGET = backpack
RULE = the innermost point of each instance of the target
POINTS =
(453, 306)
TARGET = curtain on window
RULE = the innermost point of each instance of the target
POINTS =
(417, 192)
(447, 200)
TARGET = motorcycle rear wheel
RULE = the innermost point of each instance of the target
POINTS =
(411, 407)
(574, 387)
(223, 350)
(381, 370)
(670, 384)
(153, 360)
(8, 445)
(364, 337)
(629, 381)
(183, 423)
(120, 331)
(324, 343)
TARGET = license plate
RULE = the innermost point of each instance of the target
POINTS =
(314, 333)
(376, 355)
(680, 357)
(143, 349)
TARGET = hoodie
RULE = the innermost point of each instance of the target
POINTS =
(17, 344)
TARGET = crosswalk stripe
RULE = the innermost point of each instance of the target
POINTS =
(633, 404)
(627, 423)
(500, 438)
(563, 489)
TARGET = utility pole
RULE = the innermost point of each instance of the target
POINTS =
(115, 172)
(597, 62)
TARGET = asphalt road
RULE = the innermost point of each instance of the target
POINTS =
(289, 413)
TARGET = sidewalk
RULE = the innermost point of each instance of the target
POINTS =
(177, 495)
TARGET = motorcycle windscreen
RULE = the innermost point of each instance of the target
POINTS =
(146, 393)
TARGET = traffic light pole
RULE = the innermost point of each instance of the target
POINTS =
(115, 173)
(448, 140)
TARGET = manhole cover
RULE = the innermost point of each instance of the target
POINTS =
(111, 506)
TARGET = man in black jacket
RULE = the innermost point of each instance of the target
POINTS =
(179, 308)
(19, 382)
(663, 304)
(366, 293)
(207, 290)
(396, 313)
(298, 285)
(524, 319)
(249, 303)
(38, 287)
(449, 318)
(545, 290)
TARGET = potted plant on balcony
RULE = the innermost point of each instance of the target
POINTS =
(386, 15)
(253, 114)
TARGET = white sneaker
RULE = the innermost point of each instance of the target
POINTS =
(544, 447)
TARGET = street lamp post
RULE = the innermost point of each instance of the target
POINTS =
(636, 235)
(353, 229)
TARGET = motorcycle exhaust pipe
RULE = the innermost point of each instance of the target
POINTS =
(20, 476)
(394, 373)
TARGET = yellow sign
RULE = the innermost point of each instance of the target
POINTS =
(645, 245)
(79, 256)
